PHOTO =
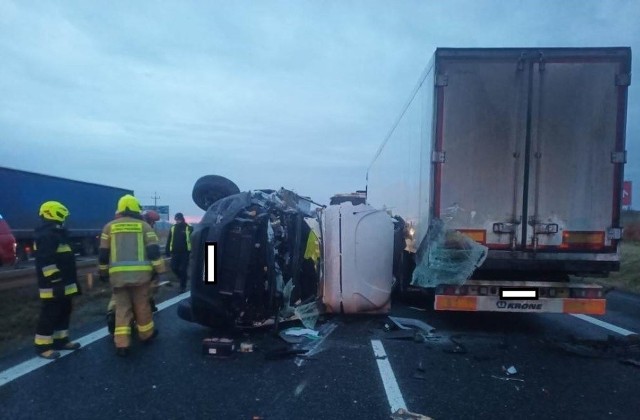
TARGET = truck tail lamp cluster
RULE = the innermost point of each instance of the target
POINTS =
(582, 239)
(478, 235)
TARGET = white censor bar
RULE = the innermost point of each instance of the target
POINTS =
(210, 262)
(519, 293)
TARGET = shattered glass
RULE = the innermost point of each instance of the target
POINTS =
(307, 313)
(446, 257)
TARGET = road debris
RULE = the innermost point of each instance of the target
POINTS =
(218, 347)
(612, 347)
(402, 414)
(631, 362)
(408, 323)
(246, 348)
(511, 370)
(297, 332)
(507, 378)
(300, 388)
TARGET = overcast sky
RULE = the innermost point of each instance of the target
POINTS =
(151, 95)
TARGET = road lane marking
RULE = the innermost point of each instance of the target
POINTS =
(37, 362)
(603, 324)
(394, 396)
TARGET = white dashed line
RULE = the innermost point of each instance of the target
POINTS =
(394, 396)
(603, 324)
(37, 362)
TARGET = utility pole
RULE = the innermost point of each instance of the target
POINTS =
(155, 199)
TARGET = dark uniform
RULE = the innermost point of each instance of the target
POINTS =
(57, 281)
(178, 247)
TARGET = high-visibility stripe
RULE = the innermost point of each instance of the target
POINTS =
(41, 340)
(126, 228)
(104, 236)
(130, 263)
(114, 255)
(158, 262)
(49, 273)
(70, 288)
(122, 331)
(124, 269)
(63, 248)
(146, 327)
(151, 235)
(46, 293)
(103, 267)
(140, 240)
(187, 236)
(48, 268)
(58, 335)
(56, 281)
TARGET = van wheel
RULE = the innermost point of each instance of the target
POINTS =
(211, 188)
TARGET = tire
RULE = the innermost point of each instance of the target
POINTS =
(211, 188)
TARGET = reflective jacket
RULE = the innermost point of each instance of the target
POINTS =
(129, 252)
(179, 239)
(55, 262)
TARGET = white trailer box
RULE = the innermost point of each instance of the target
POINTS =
(358, 259)
(521, 150)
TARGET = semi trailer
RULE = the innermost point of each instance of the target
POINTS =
(506, 165)
(91, 207)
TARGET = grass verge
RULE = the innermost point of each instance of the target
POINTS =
(628, 278)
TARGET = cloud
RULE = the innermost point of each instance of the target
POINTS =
(150, 96)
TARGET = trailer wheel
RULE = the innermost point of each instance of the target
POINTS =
(211, 188)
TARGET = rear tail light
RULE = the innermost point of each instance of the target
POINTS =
(582, 240)
(478, 235)
(586, 293)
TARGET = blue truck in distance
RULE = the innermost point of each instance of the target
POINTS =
(91, 207)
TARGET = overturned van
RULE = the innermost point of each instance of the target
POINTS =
(279, 259)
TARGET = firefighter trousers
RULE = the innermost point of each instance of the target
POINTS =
(132, 302)
(53, 324)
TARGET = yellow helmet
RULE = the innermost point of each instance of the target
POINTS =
(53, 210)
(128, 203)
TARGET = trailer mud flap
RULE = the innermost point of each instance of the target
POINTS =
(542, 305)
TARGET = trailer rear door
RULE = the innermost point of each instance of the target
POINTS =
(577, 151)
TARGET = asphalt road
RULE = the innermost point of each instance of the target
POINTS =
(456, 374)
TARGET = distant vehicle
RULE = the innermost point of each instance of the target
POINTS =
(91, 207)
(507, 166)
(7, 244)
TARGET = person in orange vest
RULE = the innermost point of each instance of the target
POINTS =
(57, 281)
(178, 248)
(129, 256)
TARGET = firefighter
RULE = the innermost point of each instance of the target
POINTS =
(178, 248)
(129, 256)
(57, 281)
(151, 217)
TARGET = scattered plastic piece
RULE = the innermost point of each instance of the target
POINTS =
(407, 323)
(631, 362)
(507, 379)
(402, 414)
(511, 370)
(297, 332)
